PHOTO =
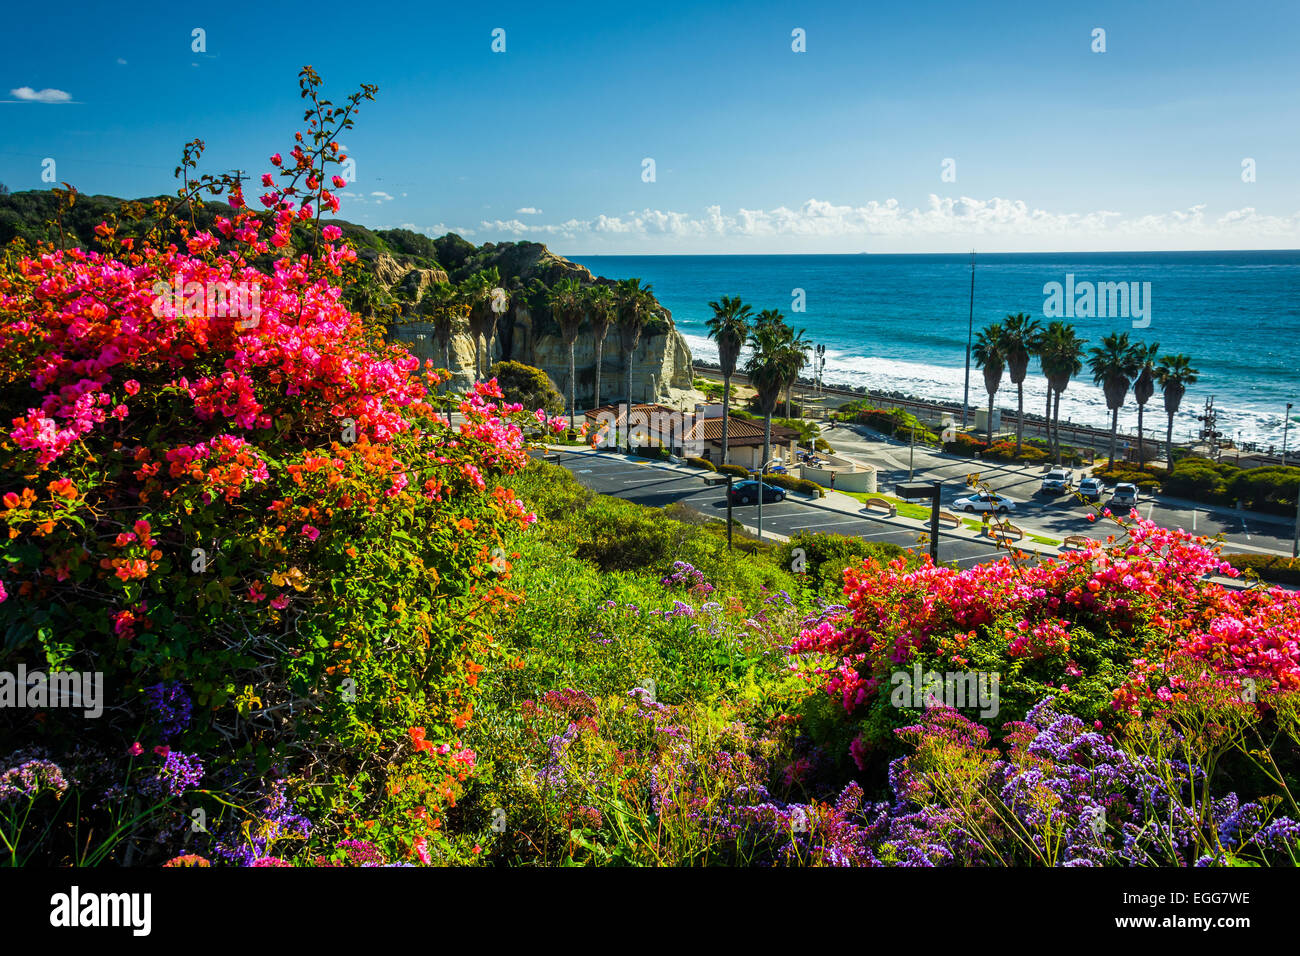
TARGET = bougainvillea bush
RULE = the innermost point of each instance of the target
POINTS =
(255, 520)
(660, 716)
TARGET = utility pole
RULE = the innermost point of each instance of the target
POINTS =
(970, 337)
(1286, 427)
(1208, 431)
(911, 456)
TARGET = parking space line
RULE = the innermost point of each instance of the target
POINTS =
(829, 524)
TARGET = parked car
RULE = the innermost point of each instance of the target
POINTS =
(1092, 489)
(985, 502)
(1057, 481)
(1125, 495)
(746, 492)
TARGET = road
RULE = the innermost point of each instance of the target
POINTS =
(1055, 517)
(658, 487)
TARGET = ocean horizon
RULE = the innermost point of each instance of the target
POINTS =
(898, 321)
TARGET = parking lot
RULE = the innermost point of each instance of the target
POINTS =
(648, 485)
(1055, 515)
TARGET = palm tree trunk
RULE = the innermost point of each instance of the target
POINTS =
(1056, 430)
(726, 413)
(1141, 451)
(629, 401)
(1169, 442)
(600, 348)
(572, 374)
(446, 354)
(788, 389)
(989, 423)
(1114, 433)
(1020, 415)
(1047, 422)
(477, 363)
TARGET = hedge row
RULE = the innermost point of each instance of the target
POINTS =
(1269, 567)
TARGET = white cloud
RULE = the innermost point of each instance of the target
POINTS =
(26, 94)
(528, 211)
(381, 196)
(941, 222)
(121, 62)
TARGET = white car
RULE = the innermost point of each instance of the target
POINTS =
(1057, 481)
(1092, 489)
(1000, 504)
(1125, 495)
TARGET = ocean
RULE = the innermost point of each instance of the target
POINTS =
(899, 322)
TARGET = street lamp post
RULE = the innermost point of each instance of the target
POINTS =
(970, 337)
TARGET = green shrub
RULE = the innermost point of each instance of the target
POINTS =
(1267, 489)
(824, 556)
(530, 387)
(964, 444)
(894, 422)
(796, 484)
(1006, 451)
(736, 471)
(822, 445)
(1202, 480)
(1269, 567)
(701, 463)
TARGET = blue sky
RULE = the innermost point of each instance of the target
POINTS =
(757, 148)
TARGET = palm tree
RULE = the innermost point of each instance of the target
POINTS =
(796, 358)
(477, 291)
(1060, 353)
(634, 304)
(599, 302)
(498, 304)
(1114, 365)
(767, 369)
(443, 307)
(1020, 338)
(991, 355)
(729, 327)
(1144, 386)
(1173, 375)
(567, 305)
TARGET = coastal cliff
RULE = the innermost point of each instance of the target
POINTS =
(528, 333)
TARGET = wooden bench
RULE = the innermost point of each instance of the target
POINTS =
(1006, 532)
(883, 505)
(950, 518)
(1077, 541)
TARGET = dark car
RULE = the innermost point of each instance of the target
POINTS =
(746, 493)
